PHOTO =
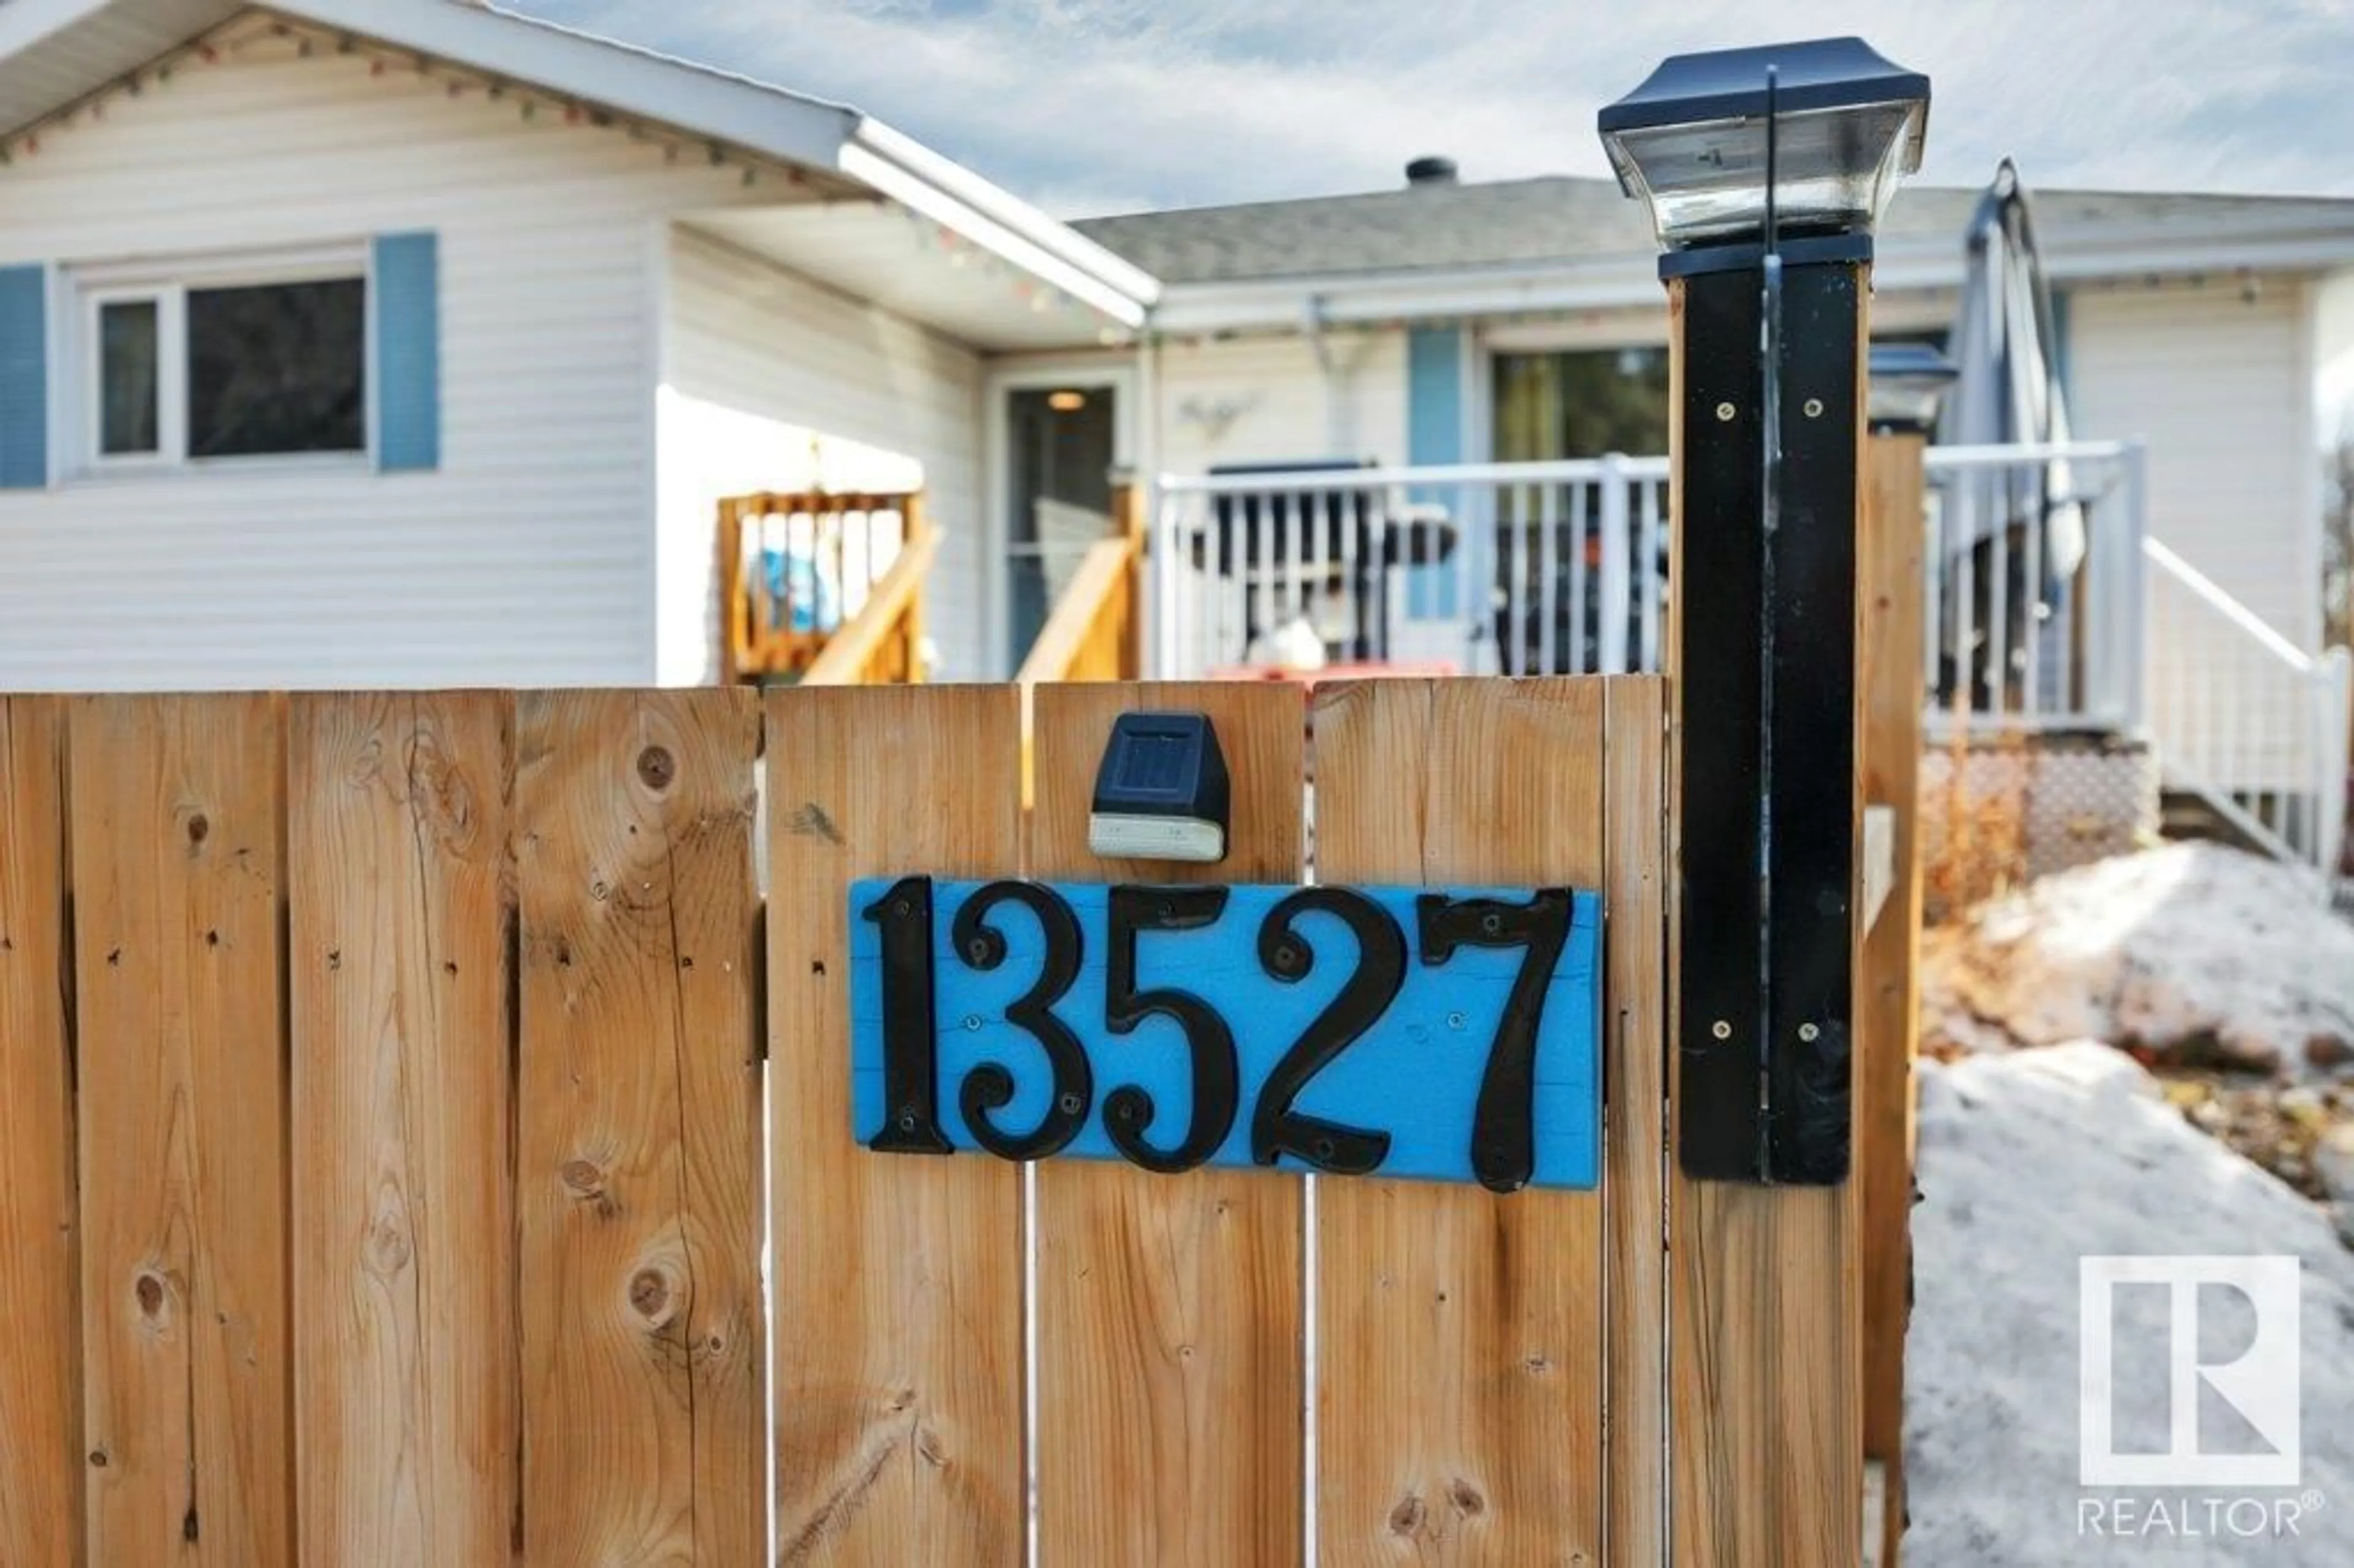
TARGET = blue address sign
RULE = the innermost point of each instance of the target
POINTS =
(1444, 1035)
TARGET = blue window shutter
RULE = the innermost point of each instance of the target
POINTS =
(1434, 434)
(24, 377)
(404, 297)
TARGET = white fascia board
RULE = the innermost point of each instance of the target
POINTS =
(912, 190)
(620, 77)
(1008, 209)
(1618, 282)
(1276, 305)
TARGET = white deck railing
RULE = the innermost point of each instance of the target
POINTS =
(2047, 605)
(1512, 568)
(2033, 569)
(2240, 716)
(1562, 568)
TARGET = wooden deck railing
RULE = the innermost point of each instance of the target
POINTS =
(882, 644)
(803, 572)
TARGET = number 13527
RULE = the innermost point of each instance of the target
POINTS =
(1443, 1034)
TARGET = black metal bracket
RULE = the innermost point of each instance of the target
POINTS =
(1766, 659)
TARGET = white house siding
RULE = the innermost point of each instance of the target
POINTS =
(2219, 380)
(528, 558)
(1266, 399)
(2220, 386)
(773, 382)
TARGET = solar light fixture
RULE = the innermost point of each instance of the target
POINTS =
(1162, 791)
(1909, 381)
(1692, 141)
(1764, 170)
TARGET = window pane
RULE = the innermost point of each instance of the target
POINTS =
(278, 368)
(1581, 405)
(126, 377)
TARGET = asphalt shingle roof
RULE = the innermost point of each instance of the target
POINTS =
(1565, 218)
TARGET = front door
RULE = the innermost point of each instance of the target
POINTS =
(1063, 442)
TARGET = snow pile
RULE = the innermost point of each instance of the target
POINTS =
(2195, 953)
(2029, 1160)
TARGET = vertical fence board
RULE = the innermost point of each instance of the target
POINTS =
(177, 867)
(398, 867)
(41, 1418)
(899, 1279)
(1890, 589)
(1459, 1406)
(1170, 1308)
(638, 1129)
(1635, 1353)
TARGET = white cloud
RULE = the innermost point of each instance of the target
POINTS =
(1093, 105)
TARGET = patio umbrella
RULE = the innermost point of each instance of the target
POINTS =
(2013, 537)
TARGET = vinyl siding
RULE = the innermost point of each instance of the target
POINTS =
(2221, 389)
(1281, 405)
(759, 364)
(527, 558)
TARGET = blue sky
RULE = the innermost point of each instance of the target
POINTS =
(1098, 105)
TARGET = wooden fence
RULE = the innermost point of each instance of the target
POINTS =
(381, 1141)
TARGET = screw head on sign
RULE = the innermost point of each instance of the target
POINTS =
(1490, 924)
(1070, 1104)
(972, 1021)
(906, 1121)
(1808, 1033)
(1814, 408)
(1721, 1029)
(1454, 1021)
(1724, 412)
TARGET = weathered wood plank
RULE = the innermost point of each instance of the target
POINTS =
(1169, 1309)
(177, 868)
(399, 868)
(1635, 1136)
(1461, 1333)
(41, 1463)
(1766, 1462)
(898, 1280)
(1889, 580)
(638, 1129)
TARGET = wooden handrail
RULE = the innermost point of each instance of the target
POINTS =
(1086, 636)
(881, 644)
(1095, 631)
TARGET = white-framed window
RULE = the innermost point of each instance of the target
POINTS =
(222, 360)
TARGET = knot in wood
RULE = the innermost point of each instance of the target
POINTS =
(1406, 1518)
(388, 1247)
(657, 768)
(1465, 1499)
(650, 1293)
(149, 1290)
(582, 1178)
(199, 828)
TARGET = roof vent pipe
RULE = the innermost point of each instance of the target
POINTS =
(1430, 172)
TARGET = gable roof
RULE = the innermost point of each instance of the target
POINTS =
(1582, 243)
(55, 52)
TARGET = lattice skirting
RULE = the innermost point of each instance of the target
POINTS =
(2029, 805)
